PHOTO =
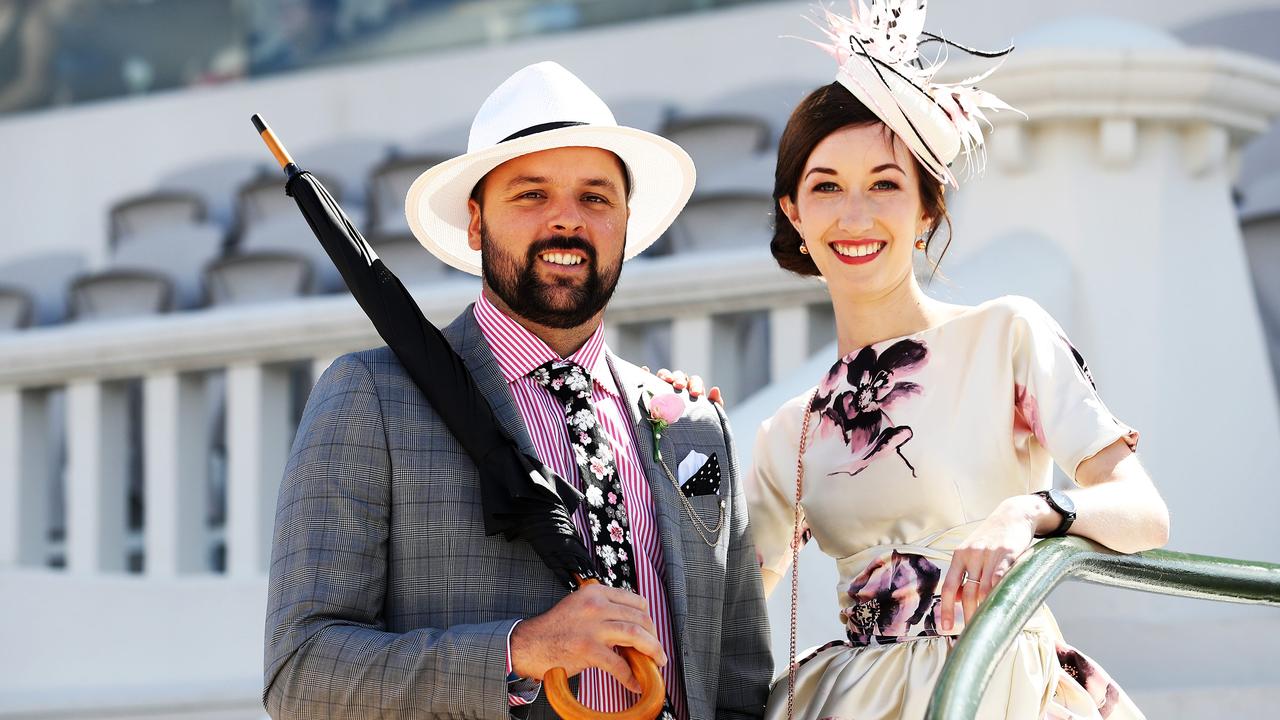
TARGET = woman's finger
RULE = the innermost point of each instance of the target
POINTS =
(679, 380)
(988, 575)
(715, 397)
(696, 387)
(950, 588)
(969, 593)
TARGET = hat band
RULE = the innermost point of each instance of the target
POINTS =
(535, 129)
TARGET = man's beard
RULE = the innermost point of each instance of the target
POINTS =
(562, 305)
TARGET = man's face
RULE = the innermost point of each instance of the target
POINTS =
(551, 229)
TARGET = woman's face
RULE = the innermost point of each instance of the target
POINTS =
(858, 208)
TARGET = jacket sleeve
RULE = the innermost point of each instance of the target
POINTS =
(328, 652)
(746, 663)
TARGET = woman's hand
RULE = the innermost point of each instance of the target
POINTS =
(693, 383)
(985, 557)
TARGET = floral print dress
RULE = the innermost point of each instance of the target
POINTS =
(912, 442)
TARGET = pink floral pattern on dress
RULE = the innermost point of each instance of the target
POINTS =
(1026, 417)
(860, 414)
(892, 599)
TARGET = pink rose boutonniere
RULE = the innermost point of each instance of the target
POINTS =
(663, 410)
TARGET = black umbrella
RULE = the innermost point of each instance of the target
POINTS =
(523, 499)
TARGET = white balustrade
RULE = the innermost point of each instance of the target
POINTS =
(258, 439)
(258, 347)
(176, 437)
(24, 468)
(97, 436)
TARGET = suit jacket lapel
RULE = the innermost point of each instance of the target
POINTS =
(666, 505)
(465, 336)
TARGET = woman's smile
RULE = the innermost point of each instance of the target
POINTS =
(857, 252)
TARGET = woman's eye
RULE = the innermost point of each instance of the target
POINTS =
(885, 185)
(826, 187)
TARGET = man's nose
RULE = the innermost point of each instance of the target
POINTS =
(565, 217)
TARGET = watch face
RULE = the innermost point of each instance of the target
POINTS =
(1063, 501)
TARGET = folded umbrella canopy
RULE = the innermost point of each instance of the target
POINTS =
(523, 499)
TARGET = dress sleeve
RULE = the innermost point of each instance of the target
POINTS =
(771, 487)
(1056, 403)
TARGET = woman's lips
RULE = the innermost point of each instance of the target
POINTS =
(859, 252)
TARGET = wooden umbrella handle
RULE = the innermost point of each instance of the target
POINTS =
(652, 694)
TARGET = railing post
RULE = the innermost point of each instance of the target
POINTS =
(97, 437)
(257, 447)
(24, 472)
(788, 340)
(177, 434)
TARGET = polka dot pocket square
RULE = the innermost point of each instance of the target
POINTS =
(699, 475)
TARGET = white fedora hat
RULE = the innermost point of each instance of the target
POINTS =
(542, 107)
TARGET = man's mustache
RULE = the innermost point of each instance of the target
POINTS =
(562, 242)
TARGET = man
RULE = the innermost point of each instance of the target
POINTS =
(387, 599)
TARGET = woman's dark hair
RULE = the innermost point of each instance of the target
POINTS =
(826, 110)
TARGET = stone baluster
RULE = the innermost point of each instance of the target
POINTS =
(97, 437)
(24, 470)
(176, 437)
(258, 437)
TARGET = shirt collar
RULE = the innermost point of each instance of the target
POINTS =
(519, 351)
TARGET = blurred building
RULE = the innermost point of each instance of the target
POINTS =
(164, 309)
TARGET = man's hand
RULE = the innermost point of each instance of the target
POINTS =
(582, 630)
(680, 381)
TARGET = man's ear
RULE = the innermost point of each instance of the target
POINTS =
(791, 211)
(474, 225)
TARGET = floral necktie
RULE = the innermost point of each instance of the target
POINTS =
(606, 512)
(570, 384)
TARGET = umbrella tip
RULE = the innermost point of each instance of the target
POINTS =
(259, 123)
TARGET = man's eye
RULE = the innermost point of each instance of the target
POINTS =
(597, 199)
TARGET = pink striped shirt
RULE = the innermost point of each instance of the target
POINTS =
(518, 352)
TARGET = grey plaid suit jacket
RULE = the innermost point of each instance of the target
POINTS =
(387, 599)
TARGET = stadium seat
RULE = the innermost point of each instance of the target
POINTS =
(258, 277)
(45, 278)
(162, 209)
(217, 182)
(718, 140)
(724, 220)
(388, 185)
(15, 309)
(116, 294)
(180, 252)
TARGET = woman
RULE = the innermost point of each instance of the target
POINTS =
(924, 457)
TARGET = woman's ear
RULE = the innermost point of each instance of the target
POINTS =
(791, 211)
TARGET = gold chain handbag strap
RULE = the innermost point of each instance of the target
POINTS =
(795, 557)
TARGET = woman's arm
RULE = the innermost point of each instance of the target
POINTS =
(1116, 505)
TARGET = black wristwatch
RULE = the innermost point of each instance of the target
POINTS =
(1060, 503)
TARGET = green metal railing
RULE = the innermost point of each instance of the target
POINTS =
(993, 628)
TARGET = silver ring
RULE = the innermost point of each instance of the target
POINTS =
(972, 580)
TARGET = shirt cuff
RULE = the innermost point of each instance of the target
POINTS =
(520, 691)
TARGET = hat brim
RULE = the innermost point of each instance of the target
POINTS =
(662, 179)
(908, 111)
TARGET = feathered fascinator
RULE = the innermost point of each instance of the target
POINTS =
(878, 51)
